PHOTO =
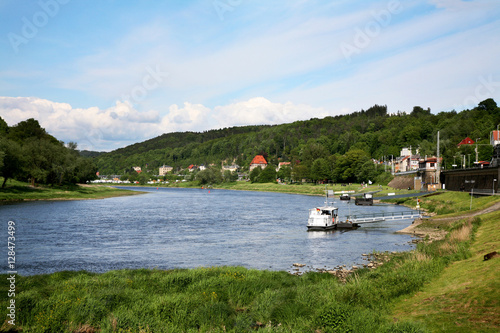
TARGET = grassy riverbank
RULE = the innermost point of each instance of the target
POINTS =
(296, 188)
(466, 296)
(448, 203)
(437, 287)
(309, 189)
(18, 191)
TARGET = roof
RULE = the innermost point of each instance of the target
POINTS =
(495, 136)
(466, 141)
(258, 159)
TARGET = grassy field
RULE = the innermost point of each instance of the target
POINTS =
(448, 203)
(466, 296)
(440, 286)
(296, 188)
(308, 188)
(18, 191)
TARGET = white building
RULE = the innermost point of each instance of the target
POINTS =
(164, 169)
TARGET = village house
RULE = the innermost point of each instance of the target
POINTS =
(495, 138)
(165, 169)
(231, 168)
(138, 169)
(429, 163)
(406, 161)
(466, 141)
(283, 164)
(258, 161)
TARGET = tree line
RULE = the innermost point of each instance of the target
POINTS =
(29, 153)
(339, 148)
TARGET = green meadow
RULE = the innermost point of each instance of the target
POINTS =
(441, 286)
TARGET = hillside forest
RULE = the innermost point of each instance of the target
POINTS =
(339, 149)
(344, 148)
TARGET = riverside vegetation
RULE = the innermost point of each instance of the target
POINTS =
(339, 149)
(20, 191)
(443, 285)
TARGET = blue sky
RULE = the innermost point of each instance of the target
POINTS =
(106, 73)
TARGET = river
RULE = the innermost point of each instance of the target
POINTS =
(170, 228)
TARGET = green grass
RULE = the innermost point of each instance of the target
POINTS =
(440, 286)
(466, 297)
(307, 188)
(217, 299)
(18, 191)
(448, 203)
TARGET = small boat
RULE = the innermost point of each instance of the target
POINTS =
(345, 196)
(323, 218)
(365, 200)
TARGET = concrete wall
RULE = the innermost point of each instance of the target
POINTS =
(403, 182)
(466, 179)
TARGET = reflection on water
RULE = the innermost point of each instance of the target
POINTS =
(186, 228)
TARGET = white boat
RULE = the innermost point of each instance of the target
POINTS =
(323, 218)
(345, 196)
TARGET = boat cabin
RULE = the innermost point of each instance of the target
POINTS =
(366, 200)
(322, 218)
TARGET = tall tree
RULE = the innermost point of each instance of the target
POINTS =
(12, 160)
(320, 170)
(268, 175)
(4, 128)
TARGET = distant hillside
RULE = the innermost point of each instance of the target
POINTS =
(374, 131)
(89, 153)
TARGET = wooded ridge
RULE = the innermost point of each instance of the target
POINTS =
(360, 136)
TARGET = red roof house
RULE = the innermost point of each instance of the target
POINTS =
(495, 138)
(466, 141)
(258, 161)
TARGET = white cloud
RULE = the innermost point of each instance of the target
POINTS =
(91, 128)
(121, 124)
(190, 117)
(262, 111)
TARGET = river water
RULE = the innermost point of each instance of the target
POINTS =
(185, 228)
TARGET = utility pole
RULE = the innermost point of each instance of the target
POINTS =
(438, 166)
(477, 153)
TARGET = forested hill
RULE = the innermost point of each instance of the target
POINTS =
(178, 139)
(374, 132)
